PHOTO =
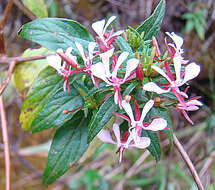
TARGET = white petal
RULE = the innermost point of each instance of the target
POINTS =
(146, 109)
(144, 142)
(131, 65)
(98, 70)
(127, 107)
(91, 48)
(123, 56)
(111, 19)
(157, 125)
(160, 71)
(177, 66)
(105, 136)
(81, 50)
(106, 60)
(98, 27)
(55, 62)
(116, 98)
(116, 131)
(153, 87)
(178, 40)
(191, 71)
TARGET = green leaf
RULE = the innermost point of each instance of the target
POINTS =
(55, 33)
(37, 7)
(101, 117)
(25, 72)
(154, 148)
(151, 26)
(68, 145)
(52, 113)
(42, 89)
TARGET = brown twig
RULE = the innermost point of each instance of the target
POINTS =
(7, 80)
(6, 13)
(8, 60)
(25, 10)
(188, 162)
(12, 61)
(5, 141)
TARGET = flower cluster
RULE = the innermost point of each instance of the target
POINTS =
(103, 62)
(190, 71)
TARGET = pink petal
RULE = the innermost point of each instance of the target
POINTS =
(153, 87)
(105, 136)
(146, 109)
(116, 97)
(127, 107)
(191, 71)
(157, 125)
(160, 71)
(123, 56)
(194, 102)
(192, 108)
(131, 65)
(98, 27)
(116, 131)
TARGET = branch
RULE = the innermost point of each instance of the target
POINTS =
(7, 80)
(6, 13)
(8, 60)
(25, 10)
(188, 162)
(5, 141)
(12, 61)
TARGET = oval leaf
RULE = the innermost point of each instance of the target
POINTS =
(56, 33)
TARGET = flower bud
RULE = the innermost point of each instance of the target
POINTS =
(127, 98)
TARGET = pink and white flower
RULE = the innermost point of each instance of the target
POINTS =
(59, 62)
(102, 71)
(177, 46)
(105, 39)
(191, 71)
(88, 60)
(126, 141)
(137, 122)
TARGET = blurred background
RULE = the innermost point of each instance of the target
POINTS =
(195, 21)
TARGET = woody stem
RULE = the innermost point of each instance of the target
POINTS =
(188, 162)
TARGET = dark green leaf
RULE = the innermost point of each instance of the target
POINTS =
(154, 148)
(42, 89)
(52, 113)
(69, 143)
(55, 33)
(101, 117)
(151, 26)
(130, 88)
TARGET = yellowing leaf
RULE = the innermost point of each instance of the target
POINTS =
(25, 72)
(37, 7)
